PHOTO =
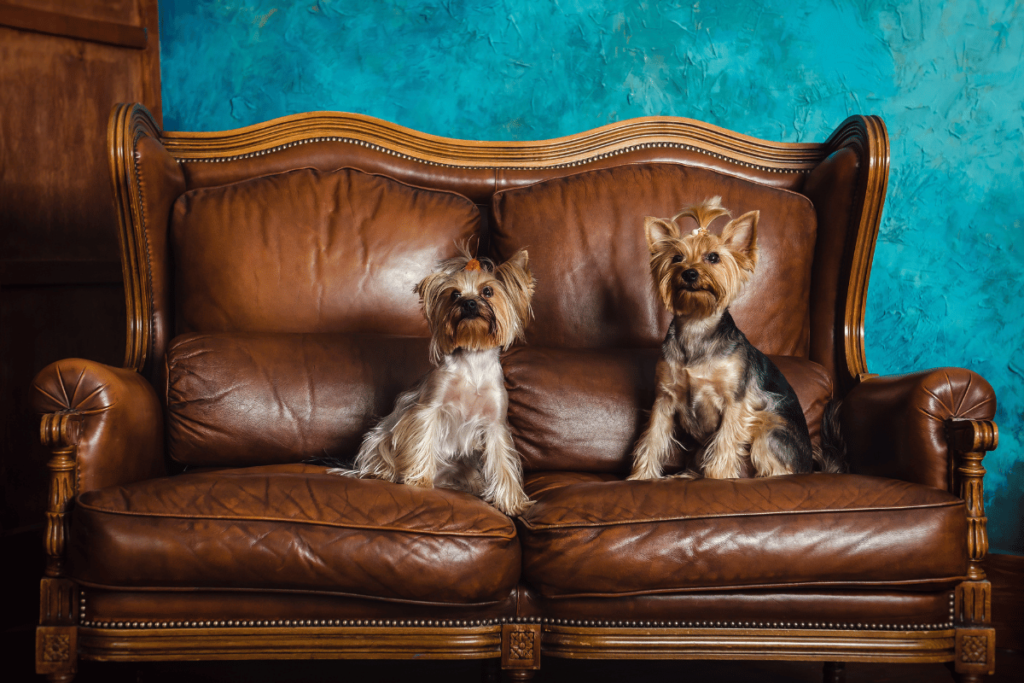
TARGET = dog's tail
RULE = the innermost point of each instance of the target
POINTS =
(831, 457)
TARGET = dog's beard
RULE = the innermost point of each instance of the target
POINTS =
(690, 303)
(478, 333)
(475, 334)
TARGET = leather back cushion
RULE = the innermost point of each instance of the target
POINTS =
(259, 399)
(585, 233)
(583, 410)
(306, 251)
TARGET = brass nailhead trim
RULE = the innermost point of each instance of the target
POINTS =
(456, 623)
(385, 150)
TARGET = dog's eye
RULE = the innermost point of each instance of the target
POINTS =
(677, 259)
(487, 292)
(455, 295)
(712, 258)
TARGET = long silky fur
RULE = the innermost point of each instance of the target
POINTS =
(831, 457)
(451, 430)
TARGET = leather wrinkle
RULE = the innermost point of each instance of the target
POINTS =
(289, 520)
(655, 520)
(652, 520)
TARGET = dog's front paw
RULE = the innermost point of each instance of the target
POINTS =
(516, 508)
(422, 482)
(646, 474)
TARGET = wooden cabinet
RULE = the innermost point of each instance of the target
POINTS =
(63, 65)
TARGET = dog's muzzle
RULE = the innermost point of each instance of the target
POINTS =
(470, 309)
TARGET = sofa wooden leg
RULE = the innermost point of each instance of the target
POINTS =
(57, 652)
(975, 639)
(834, 672)
(520, 651)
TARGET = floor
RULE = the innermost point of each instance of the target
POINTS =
(17, 653)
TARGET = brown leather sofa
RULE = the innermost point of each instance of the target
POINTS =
(269, 275)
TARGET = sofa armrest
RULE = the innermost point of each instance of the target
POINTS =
(119, 433)
(896, 426)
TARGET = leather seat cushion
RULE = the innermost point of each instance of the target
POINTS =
(295, 528)
(596, 535)
(312, 251)
(585, 233)
(244, 399)
(583, 409)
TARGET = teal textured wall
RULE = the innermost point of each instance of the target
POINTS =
(947, 77)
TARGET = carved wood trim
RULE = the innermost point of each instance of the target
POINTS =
(969, 440)
(76, 28)
(868, 137)
(263, 138)
(290, 643)
(520, 646)
(975, 651)
(128, 123)
(58, 603)
(790, 645)
(56, 650)
(974, 603)
(60, 433)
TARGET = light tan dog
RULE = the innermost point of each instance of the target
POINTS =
(451, 430)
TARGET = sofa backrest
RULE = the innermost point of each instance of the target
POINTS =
(320, 224)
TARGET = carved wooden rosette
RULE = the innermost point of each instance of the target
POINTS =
(975, 653)
(520, 649)
(60, 433)
(57, 652)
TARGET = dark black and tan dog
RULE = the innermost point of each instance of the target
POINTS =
(730, 399)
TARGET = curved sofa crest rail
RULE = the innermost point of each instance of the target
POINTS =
(268, 275)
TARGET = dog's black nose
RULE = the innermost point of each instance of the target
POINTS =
(690, 275)
(469, 308)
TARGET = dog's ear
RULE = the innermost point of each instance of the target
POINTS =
(429, 288)
(659, 230)
(517, 278)
(740, 235)
(520, 260)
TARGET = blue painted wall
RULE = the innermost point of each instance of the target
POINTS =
(946, 76)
